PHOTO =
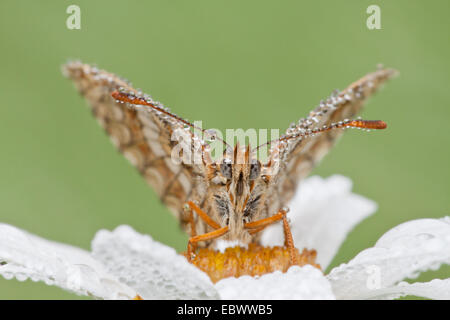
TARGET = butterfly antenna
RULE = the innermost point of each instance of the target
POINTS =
(133, 99)
(360, 124)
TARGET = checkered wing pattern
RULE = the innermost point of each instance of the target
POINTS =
(145, 136)
(298, 156)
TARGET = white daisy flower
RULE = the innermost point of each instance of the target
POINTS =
(124, 264)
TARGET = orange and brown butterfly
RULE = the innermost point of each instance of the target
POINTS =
(236, 196)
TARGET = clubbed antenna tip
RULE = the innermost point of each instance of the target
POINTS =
(361, 124)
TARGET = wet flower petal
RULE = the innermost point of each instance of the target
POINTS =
(437, 289)
(25, 256)
(403, 252)
(153, 269)
(322, 213)
(297, 283)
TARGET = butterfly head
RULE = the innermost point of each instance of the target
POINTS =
(240, 170)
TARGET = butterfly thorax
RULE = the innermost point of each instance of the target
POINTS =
(237, 192)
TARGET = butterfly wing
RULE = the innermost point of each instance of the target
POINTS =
(143, 135)
(299, 156)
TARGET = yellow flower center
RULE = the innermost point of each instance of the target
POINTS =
(255, 260)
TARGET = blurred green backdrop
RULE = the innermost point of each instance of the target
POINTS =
(232, 64)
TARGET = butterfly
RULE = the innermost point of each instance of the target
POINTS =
(236, 196)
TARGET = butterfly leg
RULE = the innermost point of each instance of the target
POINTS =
(259, 225)
(289, 241)
(204, 237)
(262, 223)
(203, 215)
(192, 244)
(256, 230)
(192, 224)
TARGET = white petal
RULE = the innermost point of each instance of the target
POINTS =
(25, 256)
(322, 213)
(403, 252)
(436, 289)
(154, 270)
(298, 283)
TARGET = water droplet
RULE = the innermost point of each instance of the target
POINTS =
(211, 135)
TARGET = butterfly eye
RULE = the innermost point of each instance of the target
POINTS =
(226, 168)
(255, 169)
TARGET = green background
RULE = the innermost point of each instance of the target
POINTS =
(232, 64)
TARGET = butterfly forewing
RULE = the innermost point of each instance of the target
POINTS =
(299, 156)
(143, 135)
